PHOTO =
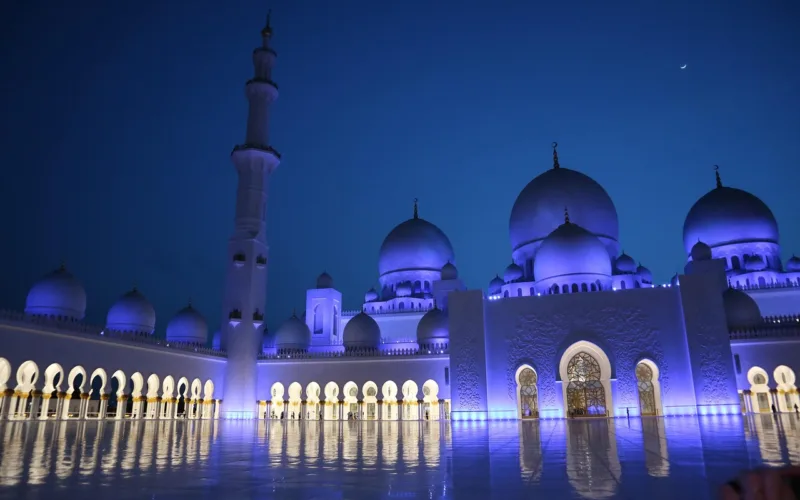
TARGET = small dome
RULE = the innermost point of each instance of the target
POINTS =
(674, 280)
(725, 216)
(58, 294)
(495, 285)
(513, 273)
(361, 332)
(755, 263)
(700, 252)
(433, 327)
(625, 264)
(132, 313)
(371, 295)
(740, 309)
(571, 250)
(449, 271)
(414, 245)
(293, 334)
(644, 274)
(403, 290)
(537, 211)
(793, 264)
(324, 280)
(188, 325)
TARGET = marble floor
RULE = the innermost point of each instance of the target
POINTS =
(676, 457)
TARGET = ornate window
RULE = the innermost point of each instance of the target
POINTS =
(353, 391)
(371, 392)
(528, 394)
(647, 393)
(586, 396)
(759, 379)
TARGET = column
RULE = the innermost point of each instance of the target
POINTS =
(36, 403)
(340, 410)
(5, 403)
(45, 406)
(420, 409)
(101, 413)
(122, 405)
(84, 408)
(379, 416)
(216, 409)
(136, 409)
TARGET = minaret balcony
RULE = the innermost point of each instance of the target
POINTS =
(257, 147)
(265, 81)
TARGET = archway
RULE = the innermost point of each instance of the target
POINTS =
(151, 407)
(312, 401)
(389, 391)
(117, 399)
(759, 390)
(196, 389)
(135, 404)
(181, 398)
(787, 391)
(208, 400)
(73, 404)
(167, 406)
(410, 402)
(649, 388)
(276, 401)
(351, 400)
(430, 400)
(331, 401)
(295, 400)
(370, 391)
(527, 392)
(98, 399)
(27, 375)
(586, 373)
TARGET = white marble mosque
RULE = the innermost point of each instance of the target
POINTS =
(572, 328)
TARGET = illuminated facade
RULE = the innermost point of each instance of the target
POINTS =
(573, 328)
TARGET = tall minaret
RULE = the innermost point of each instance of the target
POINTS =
(246, 277)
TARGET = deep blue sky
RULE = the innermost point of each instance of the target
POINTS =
(118, 120)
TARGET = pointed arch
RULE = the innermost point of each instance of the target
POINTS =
(787, 396)
(137, 384)
(527, 392)
(119, 375)
(73, 382)
(153, 383)
(208, 390)
(759, 389)
(585, 372)
(168, 387)
(53, 378)
(370, 394)
(5, 373)
(27, 375)
(648, 385)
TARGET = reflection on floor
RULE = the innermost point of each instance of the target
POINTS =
(597, 459)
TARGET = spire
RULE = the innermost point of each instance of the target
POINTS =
(716, 173)
(266, 32)
(189, 304)
(566, 215)
(416, 209)
(555, 156)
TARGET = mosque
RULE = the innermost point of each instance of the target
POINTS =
(573, 328)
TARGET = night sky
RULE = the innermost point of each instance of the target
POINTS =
(118, 119)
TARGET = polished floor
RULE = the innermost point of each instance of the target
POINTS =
(677, 457)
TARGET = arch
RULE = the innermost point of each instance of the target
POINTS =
(370, 392)
(98, 372)
(350, 393)
(208, 390)
(5, 373)
(410, 390)
(787, 395)
(76, 384)
(295, 391)
(759, 390)
(586, 374)
(53, 377)
(331, 391)
(313, 405)
(410, 403)
(312, 392)
(27, 375)
(168, 386)
(137, 384)
(389, 393)
(119, 376)
(648, 383)
(430, 400)
(197, 388)
(527, 392)
(277, 392)
(153, 383)
(331, 411)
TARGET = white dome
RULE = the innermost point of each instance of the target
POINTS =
(58, 294)
(293, 334)
(433, 328)
(371, 295)
(571, 250)
(188, 325)
(132, 313)
(625, 264)
(361, 332)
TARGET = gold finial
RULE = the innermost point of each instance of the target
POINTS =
(267, 31)
(566, 215)
(716, 174)
(416, 209)
(555, 155)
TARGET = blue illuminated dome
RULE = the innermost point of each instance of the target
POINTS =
(371, 295)
(188, 325)
(538, 210)
(793, 264)
(324, 281)
(361, 332)
(741, 310)
(644, 274)
(132, 313)
(625, 264)
(700, 252)
(449, 271)
(496, 284)
(293, 334)
(755, 263)
(433, 328)
(726, 216)
(414, 248)
(58, 294)
(513, 273)
(571, 250)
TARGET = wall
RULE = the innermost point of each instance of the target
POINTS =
(19, 343)
(767, 354)
(628, 325)
(359, 370)
(467, 354)
(397, 327)
(777, 301)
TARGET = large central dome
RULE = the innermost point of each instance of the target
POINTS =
(413, 246)
(539, 209)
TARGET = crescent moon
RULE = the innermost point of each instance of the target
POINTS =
(684, 66)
